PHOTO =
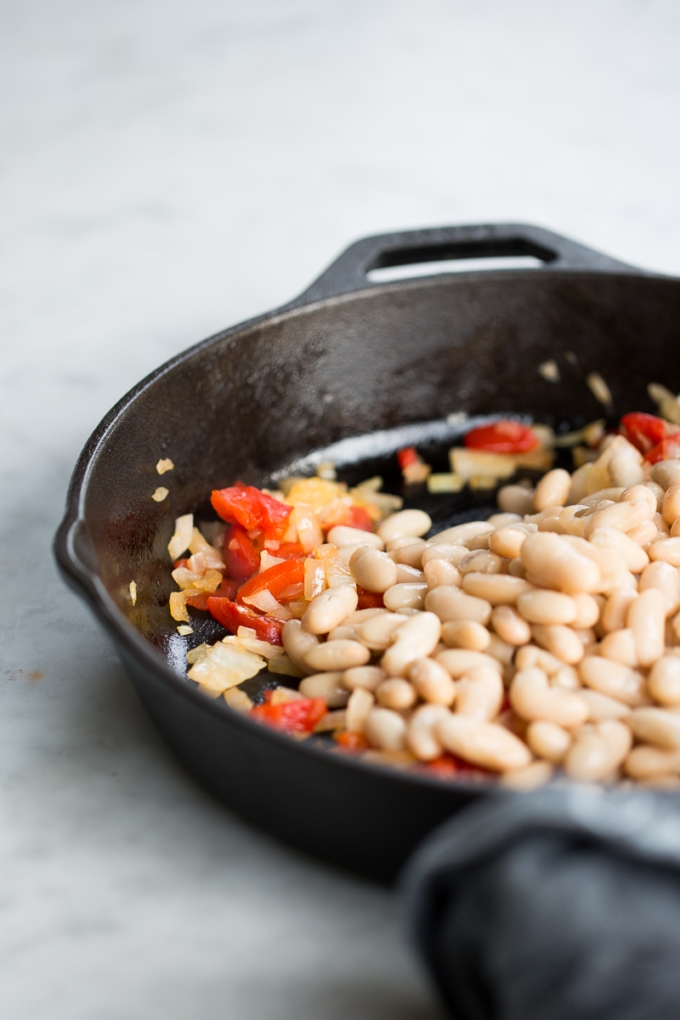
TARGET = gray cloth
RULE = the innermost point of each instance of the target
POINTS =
(562, 904)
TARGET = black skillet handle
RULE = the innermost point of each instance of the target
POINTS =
(350, 271)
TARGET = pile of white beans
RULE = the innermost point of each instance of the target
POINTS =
(547, 637)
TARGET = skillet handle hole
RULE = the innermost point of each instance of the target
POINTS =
(457, 257)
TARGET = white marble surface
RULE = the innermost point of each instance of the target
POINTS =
(166, 169)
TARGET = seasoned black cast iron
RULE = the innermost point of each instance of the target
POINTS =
(348, 358)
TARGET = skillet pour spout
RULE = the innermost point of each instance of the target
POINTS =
(352, 370)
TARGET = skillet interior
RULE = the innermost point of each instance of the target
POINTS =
(252, 401)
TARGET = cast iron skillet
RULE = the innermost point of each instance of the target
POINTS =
(362, 368)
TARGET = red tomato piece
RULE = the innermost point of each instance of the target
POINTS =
(252, 509)
(232, 616)
(502, 437)
(667, 449)
(291, 716)
(407, 457)
(240, 556)
(283, 580)
(349, 741)
(348, 517)
(369, 599)
(644, 431)
(184, 562)
(286, 550)
(227, 589)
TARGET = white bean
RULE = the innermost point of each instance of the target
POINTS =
(385, 729)
(327, 686)
(297, 642)
(466, 634)
(359, 705)
(671, 503)
(667, 473)
(377, 633)
(647, 620)
(480, 694)
(620, 647)
(516, 499)
(405, 524)
(587, 610)
(441, 572)
(415, 639)
(396, 693)
(497, 589)
(562, 642)
(372, 569)
(337, 655)
(432, 682)
(405, 596)
(461, 660)
(461, 534)
(367, 677)
(532, 698)
(330, 609)
(668, 550)
(410, 554)
(487, 745)
(553, 563)
(342, 535)
(420, 732)
(603, 707)
(508, 541)
(597, 752)
(510, 626)
(664, 680)
(543, 606)
(530, 655)
(451, 603)
(553, 489)
(615, 612)
(667, 579)
(656, 726)
(443, 551)
(482, 561)
(613, 679)
(409, 575)
(635, 558)
(548, 740)
(647, 762)
(536, 774)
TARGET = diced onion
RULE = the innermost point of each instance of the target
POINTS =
(164, 465)
(160, 494)
(225, 665)
(179, 543)
(178, 607)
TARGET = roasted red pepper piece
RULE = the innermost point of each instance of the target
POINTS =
(644, 431)
(502, 437)
(349, 741)
(232, 616)
(286, 550)
(667, 449)
(252, 509)
(407, 457)
(291, 716)
(348, 517)
(369, 599)
(227, 589)
(283, 580)
(240, 556)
